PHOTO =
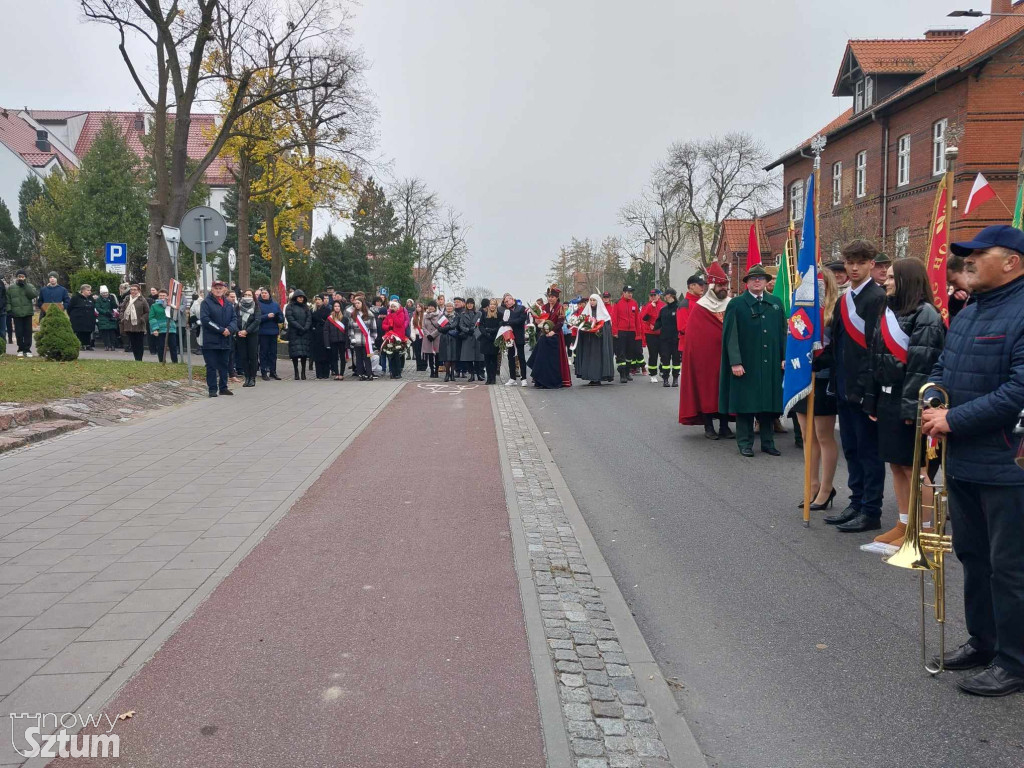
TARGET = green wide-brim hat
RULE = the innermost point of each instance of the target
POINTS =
(882, 258)
(757, 271)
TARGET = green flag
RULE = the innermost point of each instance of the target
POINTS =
(783, 291)
(1018, 212)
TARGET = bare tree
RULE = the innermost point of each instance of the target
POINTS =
(196, 50)
(719, 179)
(437, 230)
(660, 216)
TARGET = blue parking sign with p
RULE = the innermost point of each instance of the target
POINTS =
(117, 253)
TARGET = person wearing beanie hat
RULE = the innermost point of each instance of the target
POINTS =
(753, 350)
(649, 317)
(668, 339)
(702, 358)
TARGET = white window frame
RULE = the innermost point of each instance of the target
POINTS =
(903, 163)
(837, 183)
(858, 97)
(862, 173)
(796, 200)
(902, 242)
(939, 147)
(869, 91)
(837, 250)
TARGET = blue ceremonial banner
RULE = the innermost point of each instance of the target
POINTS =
(805, 314)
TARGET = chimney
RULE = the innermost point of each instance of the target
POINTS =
(42, 141)
(944, 34)
(1002, 6)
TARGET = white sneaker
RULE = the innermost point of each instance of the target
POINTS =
(654, 379)
(21, 354)
(510, 383)
(523, 384)
(28, 354)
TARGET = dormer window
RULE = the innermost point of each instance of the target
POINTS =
(869, 91)
(863, 94)
(858, 97)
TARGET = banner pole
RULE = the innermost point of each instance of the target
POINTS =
(818, 145)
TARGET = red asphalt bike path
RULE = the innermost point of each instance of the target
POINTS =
(379, 624)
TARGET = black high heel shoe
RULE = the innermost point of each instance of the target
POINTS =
(827, 504)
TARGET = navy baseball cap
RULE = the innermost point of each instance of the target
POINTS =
(1002, 235)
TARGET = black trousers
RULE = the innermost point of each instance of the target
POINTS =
(859, 435)
(745, 429)
(517, 352)
(491, 366)
(653, 345)
(107, 334)
(268, 354)
(84, 338)
(247, 354)
(337, 358)
(988, 538)
(397, 362)
(172, 346)
(137, 341)
(23, 330)
(671, 361)
(628, 351)
(417, 353)
(216, 368)
(361, 362)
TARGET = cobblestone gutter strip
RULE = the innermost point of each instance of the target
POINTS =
(617, 709)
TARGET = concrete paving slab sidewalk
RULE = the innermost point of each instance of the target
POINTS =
(110, 536)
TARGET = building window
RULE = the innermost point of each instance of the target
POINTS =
(869, 91)
(837, 250)
(796, 200)
(837, 183)
(862, 174)
(902, 242)
(939, 147)
(858, 97)
(903, 168)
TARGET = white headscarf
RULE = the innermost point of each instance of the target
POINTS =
(602, 310)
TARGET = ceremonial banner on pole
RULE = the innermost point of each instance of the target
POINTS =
(282, 289)
(938, 248)
(753, 247)
(805, 315)
(783, 290)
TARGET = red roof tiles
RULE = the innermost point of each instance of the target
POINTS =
(736, 236)
(900, 57)
(20, 137)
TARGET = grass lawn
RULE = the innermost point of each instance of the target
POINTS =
(35, 380)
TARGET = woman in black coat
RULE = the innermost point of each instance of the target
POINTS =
(490, 322)
(82, 313)
(248, 339)
(905, 347)
(300, 322)
(334, 338)
(320, 354)
(515, 316)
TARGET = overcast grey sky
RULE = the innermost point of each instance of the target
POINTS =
(537, 119)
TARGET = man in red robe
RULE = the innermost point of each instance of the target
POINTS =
(702, 358)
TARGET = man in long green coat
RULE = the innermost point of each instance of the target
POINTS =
(753, 350)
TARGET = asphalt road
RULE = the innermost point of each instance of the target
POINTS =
(793, 648)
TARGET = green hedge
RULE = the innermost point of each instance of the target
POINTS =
(95, 278)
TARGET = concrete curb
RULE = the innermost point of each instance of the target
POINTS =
(109, 687)
(683, 749)
(556, 739)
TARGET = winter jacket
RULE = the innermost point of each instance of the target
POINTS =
(355, 335)
(927, 332)
(686, 305)
(488, 333)
(141, 315)
(666, 327)
(851, 365)
(469, 352)
(517, 317)
(333, 334)
(649, 316)
(159, 322)
(20, 297)
(105, 307)
(300, 323)
(82, 313)
(270, 326)
(396, 322)
(626, 317)
(54, 294)
(215, 318)
(982, 368)
(251, 328)
(3, 299)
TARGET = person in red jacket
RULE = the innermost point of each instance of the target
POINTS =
(648, 317)
(627, 331)
(695, 287)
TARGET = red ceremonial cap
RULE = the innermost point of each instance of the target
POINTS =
(716, 274)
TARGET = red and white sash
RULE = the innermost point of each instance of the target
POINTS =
(337, 325)
(852, 322)
(362, 329)
(896, 341)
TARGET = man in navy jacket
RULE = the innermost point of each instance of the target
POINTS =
(220, 324)
(982, 368)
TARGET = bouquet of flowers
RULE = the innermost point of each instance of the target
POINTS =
(588, 324)
(393, 343)
(504, 339)
(538, 313)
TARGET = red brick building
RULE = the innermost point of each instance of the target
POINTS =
(734, 244)
(886, 154)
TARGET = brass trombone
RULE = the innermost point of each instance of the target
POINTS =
(925, 550)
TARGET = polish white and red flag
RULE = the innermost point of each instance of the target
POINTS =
(981, 193)
(282, 288)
